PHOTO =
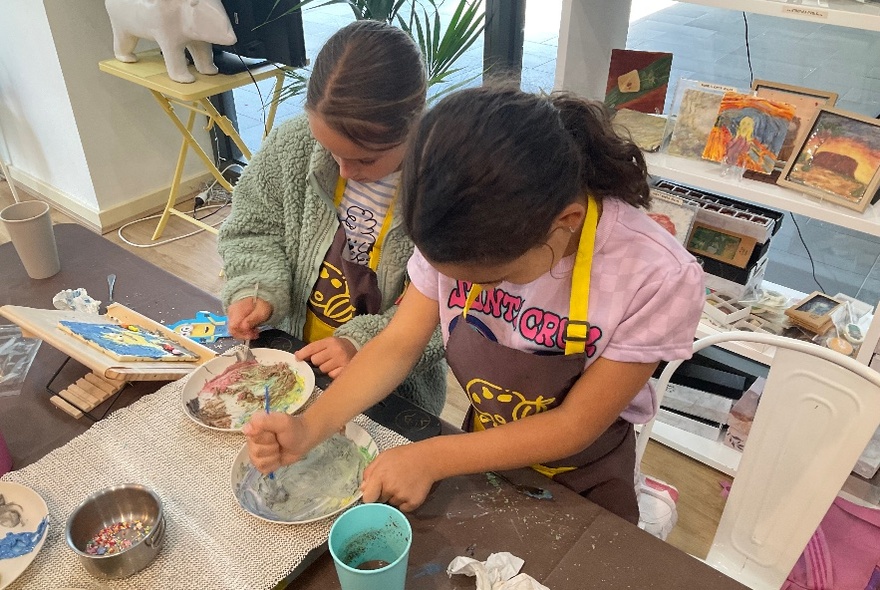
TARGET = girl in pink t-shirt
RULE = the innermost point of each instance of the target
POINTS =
(556, 293)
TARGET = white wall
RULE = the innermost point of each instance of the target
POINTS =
(36, 117)
(589, 30)
(96, 145)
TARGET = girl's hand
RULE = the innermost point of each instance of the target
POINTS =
(330, 355)
(245, 315)
(398, 476)
(275, 440)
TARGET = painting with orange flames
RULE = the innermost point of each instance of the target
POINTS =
(839, 159)
(748, 132)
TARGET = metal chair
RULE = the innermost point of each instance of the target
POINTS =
(817, 413)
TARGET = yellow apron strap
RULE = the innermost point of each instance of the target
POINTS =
(340, 191)
(578, 311)
(472, 295)
(376, 251)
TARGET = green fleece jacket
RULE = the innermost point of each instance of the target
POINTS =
(282, 223)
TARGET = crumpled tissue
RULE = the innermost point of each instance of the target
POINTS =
(76, 300)
(498, 572)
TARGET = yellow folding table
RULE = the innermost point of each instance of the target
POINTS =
(149, 72)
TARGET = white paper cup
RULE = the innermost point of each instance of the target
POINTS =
(30, 227)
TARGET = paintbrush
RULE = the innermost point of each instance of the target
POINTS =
(268, 409)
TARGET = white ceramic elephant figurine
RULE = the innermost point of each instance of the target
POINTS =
(175, 25)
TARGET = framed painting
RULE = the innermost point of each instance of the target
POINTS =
(638, 80)
(806, 102)
(749, 132)
(723, 245)
(838, 160)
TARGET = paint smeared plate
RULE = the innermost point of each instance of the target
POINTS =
(24, 514)
(230, 411)
(324, 483)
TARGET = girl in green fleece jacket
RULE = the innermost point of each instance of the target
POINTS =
(314, 224)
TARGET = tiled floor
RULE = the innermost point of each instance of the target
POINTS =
(709, 45)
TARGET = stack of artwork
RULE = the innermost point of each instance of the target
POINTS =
(781, 134)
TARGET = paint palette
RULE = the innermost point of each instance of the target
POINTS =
(325, 482)
(223, 394)
(24, 514)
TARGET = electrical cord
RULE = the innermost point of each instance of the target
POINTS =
(169, 240)
(748, 51)
(810, 256)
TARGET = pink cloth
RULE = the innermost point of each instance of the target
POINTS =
(843, 554)
(5, 457)
(646, 297)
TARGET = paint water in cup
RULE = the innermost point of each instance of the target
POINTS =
(370, 548)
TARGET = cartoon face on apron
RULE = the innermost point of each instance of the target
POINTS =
(344, 288)
(504, 384)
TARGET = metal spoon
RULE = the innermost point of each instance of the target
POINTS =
(111, 282)
(246, 354)
(531, 491)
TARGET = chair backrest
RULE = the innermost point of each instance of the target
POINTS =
(817, 413)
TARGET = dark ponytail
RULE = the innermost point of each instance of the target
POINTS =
(491, 168)
(612, 166)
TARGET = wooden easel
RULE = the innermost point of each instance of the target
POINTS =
(108, 375)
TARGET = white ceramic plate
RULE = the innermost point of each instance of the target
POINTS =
(324, 483)
(193, 400)
(33, 511)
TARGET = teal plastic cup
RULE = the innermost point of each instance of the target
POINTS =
(370, 547)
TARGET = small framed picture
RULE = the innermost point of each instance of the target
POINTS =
(838, 159)
(673, 213)
(814, 311)
(723, 245)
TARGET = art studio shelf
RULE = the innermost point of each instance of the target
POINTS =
(706, 175)
(843, 13)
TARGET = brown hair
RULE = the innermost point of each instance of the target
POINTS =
(491, 168)
(368, 83)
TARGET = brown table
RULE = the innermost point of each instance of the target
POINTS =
(567, 543)
(31, 425)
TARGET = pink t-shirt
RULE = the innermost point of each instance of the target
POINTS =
(646, 296)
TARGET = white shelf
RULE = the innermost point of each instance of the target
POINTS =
(712, 453)
(751, 351)
(843, 13)
(707, 175)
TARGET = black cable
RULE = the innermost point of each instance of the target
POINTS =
(257, 86)
(748, 51)
(810, 256)
(220, 208)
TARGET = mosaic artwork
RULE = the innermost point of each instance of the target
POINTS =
(126, 342)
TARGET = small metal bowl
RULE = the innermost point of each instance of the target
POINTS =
(104, 508)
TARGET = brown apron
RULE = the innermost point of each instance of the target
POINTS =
(504, 384)
(344, 288)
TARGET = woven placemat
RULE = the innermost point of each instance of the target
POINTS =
(210, 541)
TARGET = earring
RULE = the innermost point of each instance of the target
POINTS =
(571, 229)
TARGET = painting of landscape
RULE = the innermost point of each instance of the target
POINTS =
(839, 159)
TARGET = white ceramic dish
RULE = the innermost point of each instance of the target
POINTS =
(324, 483)
(33, 511)
(192, 400)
